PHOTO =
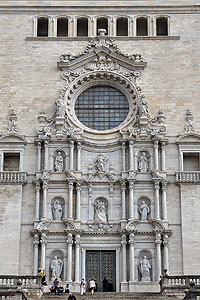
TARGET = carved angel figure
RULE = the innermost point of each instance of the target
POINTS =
(43, 224)
(144, 268)
(59, 163)
(56, 267)
(101, 211)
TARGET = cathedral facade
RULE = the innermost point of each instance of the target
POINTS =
(100, 141)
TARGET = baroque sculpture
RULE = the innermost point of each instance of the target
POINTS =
(144, 268)
(56, 267)
(101, 211)
(100, 164)
(143, 163)
(59, 162)
(60, 108)
(144, 210)
(57, 211)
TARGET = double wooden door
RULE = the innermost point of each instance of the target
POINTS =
(100, 264)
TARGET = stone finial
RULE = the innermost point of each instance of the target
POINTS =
(189, 126)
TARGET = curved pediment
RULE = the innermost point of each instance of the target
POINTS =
(191, 137)
(148, 226)
(12, 138)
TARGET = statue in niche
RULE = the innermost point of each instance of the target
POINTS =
(59, 162)
(143, 108)
(57, 211)
(143, 163)
(144, 268)
(101, 211)
(56, 267)
(144, 210)
(60, 108)
(100, 164)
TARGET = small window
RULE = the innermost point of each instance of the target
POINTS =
(102, 23)
(142, 27)
(62, 27)
(82, 27)
(122, 27)
(161, 26)
(190, 161)
(11, 161)
(42, 27)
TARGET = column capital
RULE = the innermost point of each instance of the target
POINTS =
(79, 145)
(77, 241)
(111, 188)
(131, 239)
(36, 240)
(123, 185)
(131, 185)
(131, 144)
(71, 144)
(69, 239)
(45, 184)
(78, 186)
(166, 240)
(123, 145)
(164, 185)
(46, 143)
(70, 184)
(123, 240)
(158, 239)
(37, 185)
(157, 185)
(39, 144)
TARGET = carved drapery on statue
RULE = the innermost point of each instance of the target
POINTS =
(56, 267)
(144, 210)
(144, 268)
(57, 211)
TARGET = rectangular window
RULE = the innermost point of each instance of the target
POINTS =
(191, 161)
(11, 161)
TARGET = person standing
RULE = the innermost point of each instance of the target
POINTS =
(82, 286)
(92, 286)
(105, 284)
(71, 297)
(56, 286)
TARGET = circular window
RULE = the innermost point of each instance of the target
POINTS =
(101, 107)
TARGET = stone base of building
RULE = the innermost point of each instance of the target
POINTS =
(76, 287)
(144, 287)
(124, 287)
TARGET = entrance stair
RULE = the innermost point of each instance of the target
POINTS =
(110, 296)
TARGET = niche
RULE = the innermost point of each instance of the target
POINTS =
(57, 209)
(144, 208)
(42, 26)
(161, 26)
(62, 27)
(144, 266)
(122, 27)
(142, 27)
(191, 161)
(143, 161)
(101, 210)
(56, 264)
(102, 23)
(11, 161)
(82, 27)
(59, 161)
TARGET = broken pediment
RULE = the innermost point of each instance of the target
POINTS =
(188, 138)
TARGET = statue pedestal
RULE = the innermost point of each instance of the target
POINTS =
(76, 287)
(144, 287)
(124, 287)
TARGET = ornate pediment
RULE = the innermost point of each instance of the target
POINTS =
(149, 226)
(189, 134)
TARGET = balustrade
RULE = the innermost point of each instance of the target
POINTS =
(9, 281)
(13, 177)
(188, 177)
(179, 283)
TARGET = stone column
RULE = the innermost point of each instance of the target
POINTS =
(123, 156)
(90, 216)
(35, 245)
(155, 154)
(132, 256)
(164, 200)
(71, 156)
(77, 256)
(165, 253)
(70, 208)
(43, 242)
(158, 256)
(111, 201)
(157, 206)
(78, 156)
(37, 196)
(131, 155)
(45, 189)
(163, 144)
(123, 188)
(78, 201)
(69, 257)
(39, 147)
(131, 200)
(46, 154)
(124, 265)
(83, 258)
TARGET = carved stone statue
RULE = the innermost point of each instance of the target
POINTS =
(100, 164)
(57, 211)
(56, 267)
(60, 108)
(59, 163)
(144, 210)
(43, 225)
(144, 268)
(101, 211)
(143, 163)
(143, 108)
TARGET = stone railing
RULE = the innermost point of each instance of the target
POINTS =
(188, 177)
(177, 284)
(12, 295)
(13, 177)
(30, 284)
(193, 293)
